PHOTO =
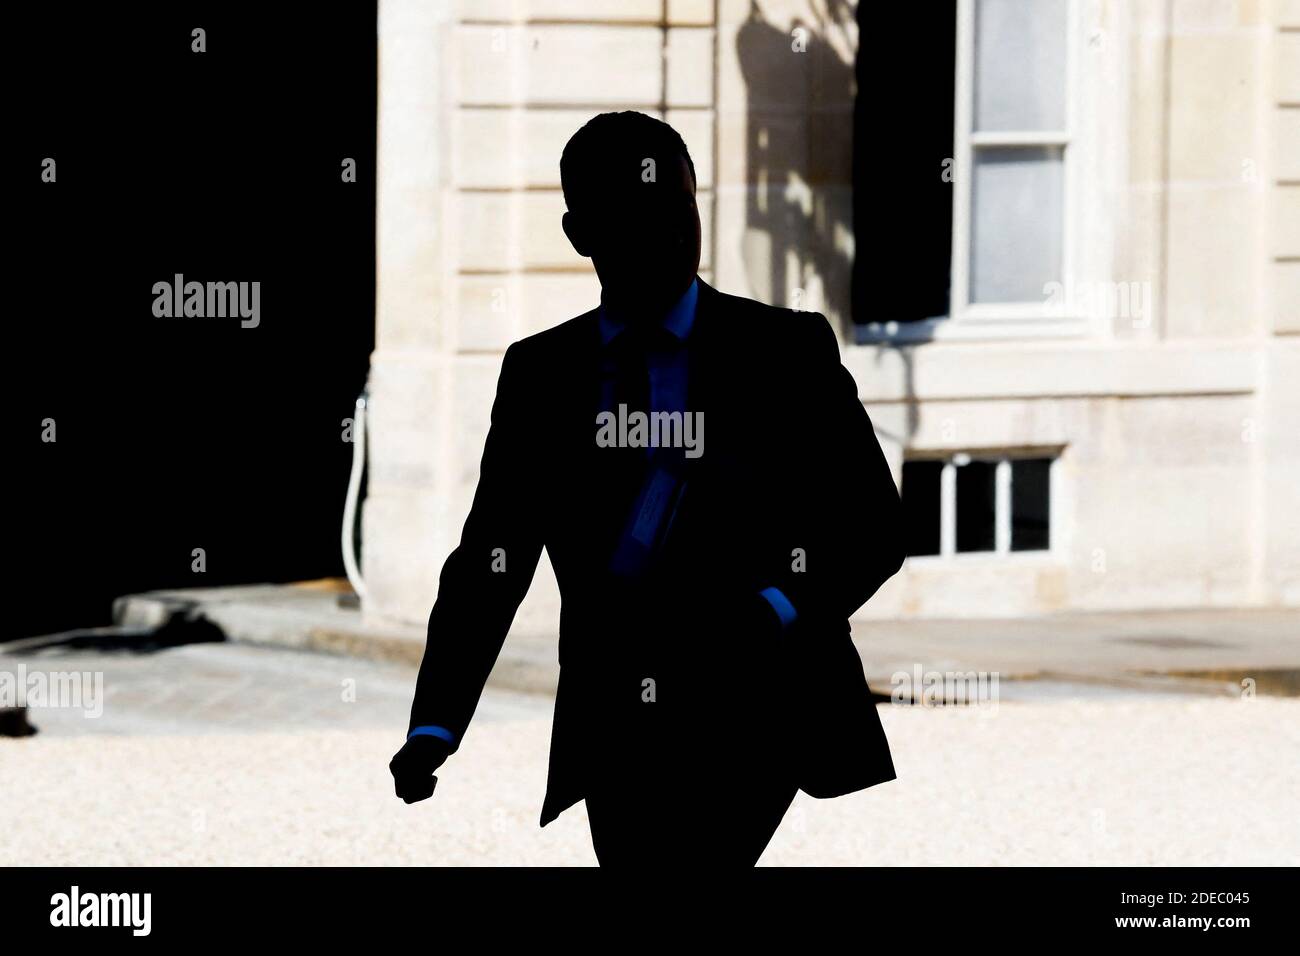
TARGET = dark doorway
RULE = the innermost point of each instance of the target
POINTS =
(902, 168)
(180, 433)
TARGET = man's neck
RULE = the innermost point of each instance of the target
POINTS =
(678, 318)
(639, 311)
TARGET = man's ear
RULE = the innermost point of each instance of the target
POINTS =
(573, 228)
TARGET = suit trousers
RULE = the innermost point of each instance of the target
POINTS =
(670, 822)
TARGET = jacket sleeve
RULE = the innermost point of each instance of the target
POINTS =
(486, 577)
(847, 539)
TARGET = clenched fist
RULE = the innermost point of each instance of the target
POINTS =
(414, 764)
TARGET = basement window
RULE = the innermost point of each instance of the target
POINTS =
(977, 504)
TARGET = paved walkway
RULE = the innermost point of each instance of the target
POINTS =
(239, 754)
(1222, 645)
(1226, 646)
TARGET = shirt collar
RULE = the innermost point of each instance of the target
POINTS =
(678, 320)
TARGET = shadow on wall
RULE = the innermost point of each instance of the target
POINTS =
(799, 153)
(804, 126)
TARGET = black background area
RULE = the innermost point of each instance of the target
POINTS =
(175, 434)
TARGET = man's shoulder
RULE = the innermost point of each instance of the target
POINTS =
(754, 325)
(773, 326)
(559, 338)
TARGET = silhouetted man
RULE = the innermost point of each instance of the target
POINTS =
(707, 574)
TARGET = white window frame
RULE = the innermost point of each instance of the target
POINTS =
(1010, 320)
(1001, 509)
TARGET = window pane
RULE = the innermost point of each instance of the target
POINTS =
(1030, 504)
(1016, 223)
(1020, 64)
(921, 505)
(976, 501)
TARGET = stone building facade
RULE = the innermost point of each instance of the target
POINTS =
(1124, 434)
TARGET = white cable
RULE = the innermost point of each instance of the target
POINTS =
(354, 489)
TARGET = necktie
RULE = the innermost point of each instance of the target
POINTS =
(632, 370)
(648, 481)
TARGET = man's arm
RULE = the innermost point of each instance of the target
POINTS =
(486, 577)
(851, 536)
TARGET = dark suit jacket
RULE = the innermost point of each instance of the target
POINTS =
(792, 491)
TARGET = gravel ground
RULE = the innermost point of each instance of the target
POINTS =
(1149, 780)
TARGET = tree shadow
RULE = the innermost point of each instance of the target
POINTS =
(808, 166)
(799, 153)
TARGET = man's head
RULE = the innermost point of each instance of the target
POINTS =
(629, 185)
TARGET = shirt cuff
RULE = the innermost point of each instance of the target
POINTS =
(781, 604)
(431, 730)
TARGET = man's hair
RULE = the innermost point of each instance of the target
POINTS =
(613, 146)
